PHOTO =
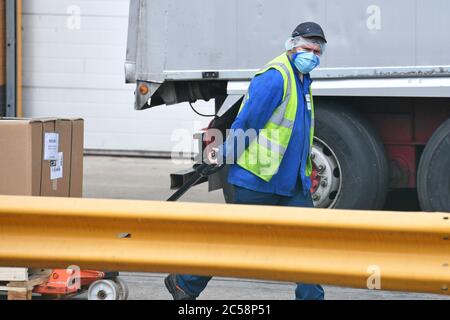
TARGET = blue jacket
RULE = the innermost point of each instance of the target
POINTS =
(266, 94)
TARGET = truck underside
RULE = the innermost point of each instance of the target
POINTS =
(366, 146)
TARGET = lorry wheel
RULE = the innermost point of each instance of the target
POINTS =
(350, 164)
(433, 178)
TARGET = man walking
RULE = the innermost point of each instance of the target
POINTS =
(273, 167)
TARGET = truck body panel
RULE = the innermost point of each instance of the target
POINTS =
(403, 42)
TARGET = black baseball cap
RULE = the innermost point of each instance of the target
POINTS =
(309, 30)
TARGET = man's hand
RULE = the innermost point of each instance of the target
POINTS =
(212, 156)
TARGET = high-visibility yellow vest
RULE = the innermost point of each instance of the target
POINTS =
(265, 153)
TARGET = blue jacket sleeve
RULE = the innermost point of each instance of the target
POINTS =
(265, 95)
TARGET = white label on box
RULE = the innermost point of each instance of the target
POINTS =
(56, 167)
(51, 146)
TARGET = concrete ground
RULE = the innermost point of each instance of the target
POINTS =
(148, 179)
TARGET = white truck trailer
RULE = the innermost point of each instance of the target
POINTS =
(382, 92)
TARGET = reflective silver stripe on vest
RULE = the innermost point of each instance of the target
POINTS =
(270, 145)
(278, 116)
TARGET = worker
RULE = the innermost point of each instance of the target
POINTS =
(273, 168)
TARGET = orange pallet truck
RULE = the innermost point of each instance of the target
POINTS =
(67, 283)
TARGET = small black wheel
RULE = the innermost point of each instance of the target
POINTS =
(433, 178)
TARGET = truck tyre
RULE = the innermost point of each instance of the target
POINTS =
(351, 168)
(350, 165)
(433, 178)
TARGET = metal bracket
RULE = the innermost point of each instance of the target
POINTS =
(229, 102)
(210, 75)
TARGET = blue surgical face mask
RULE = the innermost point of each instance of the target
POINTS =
(306, 61)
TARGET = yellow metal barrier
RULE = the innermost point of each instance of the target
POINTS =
(397, 251)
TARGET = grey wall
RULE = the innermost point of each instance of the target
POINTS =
(73, 70)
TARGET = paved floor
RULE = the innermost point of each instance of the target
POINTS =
(140, 179)
(135, 178)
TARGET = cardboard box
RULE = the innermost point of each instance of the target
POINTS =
(41, 157)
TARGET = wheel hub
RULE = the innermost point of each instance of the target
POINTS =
(104, 290)
(326, 176)
(102, 295)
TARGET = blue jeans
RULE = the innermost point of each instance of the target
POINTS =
(194, 285)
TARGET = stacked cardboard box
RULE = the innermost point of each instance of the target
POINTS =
(41, 157)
